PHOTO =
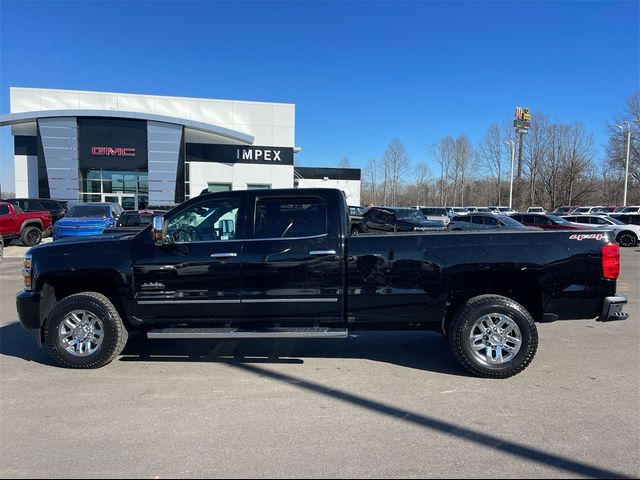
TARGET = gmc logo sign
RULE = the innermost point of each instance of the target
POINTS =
(116, 152)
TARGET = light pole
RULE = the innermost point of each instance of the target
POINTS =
(513, 156)
(626, 169)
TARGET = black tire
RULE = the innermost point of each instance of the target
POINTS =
(627, 239)
(31, 236)
(115, 332)
(463, 323)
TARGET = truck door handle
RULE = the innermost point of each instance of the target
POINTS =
(224, 255)
(322, 252)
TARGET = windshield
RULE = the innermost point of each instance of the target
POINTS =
(582, 210)
(410, 215)
(504, 209)
(558, 220)
(484, 210)
(434, 211)
(615, 221)
(98, 211)
(460, 210)
(510, 222)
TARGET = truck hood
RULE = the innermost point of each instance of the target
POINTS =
(423, 224)
(83, 222)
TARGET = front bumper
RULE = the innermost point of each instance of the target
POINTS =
(612, 309)
(28, 305)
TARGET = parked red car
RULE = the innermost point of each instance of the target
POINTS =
(548, 222)
(28, 227)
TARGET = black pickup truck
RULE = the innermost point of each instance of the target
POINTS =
(281, 264)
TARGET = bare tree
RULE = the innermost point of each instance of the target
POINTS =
(443, 153)
(464, 157)
(344, 163)
(422, 175)
(396, 165)
(491, 153)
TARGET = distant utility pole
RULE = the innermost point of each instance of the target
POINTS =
(626, 170)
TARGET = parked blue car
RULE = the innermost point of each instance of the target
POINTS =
(87, 219)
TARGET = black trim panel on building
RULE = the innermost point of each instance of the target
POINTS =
(205, 152)
(180, 172)
(313, 173)
(25, 145)
(43, 175)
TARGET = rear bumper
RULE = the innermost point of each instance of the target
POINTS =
(612, 309)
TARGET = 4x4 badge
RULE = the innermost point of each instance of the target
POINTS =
(152, 286)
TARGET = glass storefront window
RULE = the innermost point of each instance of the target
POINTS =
(129, 189)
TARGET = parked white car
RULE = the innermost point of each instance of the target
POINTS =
(536, 210)
(479, 209)
(435, 213)
(501, 210)
(631, 209)
(586, 210)
(627, 235)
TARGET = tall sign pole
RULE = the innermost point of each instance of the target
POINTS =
(522, 123)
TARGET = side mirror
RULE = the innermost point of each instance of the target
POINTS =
(157, 231)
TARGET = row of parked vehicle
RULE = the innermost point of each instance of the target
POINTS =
(626, 226)
(31, 220)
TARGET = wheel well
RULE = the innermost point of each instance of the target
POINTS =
(523, 287)
(31, 223)
(103, 284)
(626, 231)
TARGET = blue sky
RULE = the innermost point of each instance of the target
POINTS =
(359, 73)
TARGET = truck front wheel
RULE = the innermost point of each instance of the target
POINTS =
(85, 331)
(493, 336)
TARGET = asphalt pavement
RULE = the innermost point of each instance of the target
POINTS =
(377, 405)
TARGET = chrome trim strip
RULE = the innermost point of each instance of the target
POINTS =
(224, 255)
(290, 300)
(287, 238)
(203, 333)
(322, 252)
(182, 302)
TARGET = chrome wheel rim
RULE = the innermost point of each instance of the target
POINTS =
(81, 333)
(495, 339)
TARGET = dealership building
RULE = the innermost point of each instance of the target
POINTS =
(146, 150)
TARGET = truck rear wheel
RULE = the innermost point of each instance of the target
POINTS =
(85, 331)
(31, 236)
(493, 336)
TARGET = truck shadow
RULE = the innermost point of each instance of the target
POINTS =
(427, 351)
(16, 342)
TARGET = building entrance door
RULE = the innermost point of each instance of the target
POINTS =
(128, 201)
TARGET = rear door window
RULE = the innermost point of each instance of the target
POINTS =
(290, 217)
(4, 210)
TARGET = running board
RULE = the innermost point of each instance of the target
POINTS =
(317, 332)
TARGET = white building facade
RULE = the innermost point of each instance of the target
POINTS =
(145, 150)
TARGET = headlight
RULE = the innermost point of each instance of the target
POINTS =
(26, 271)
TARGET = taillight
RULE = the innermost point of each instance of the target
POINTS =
(611, 261)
